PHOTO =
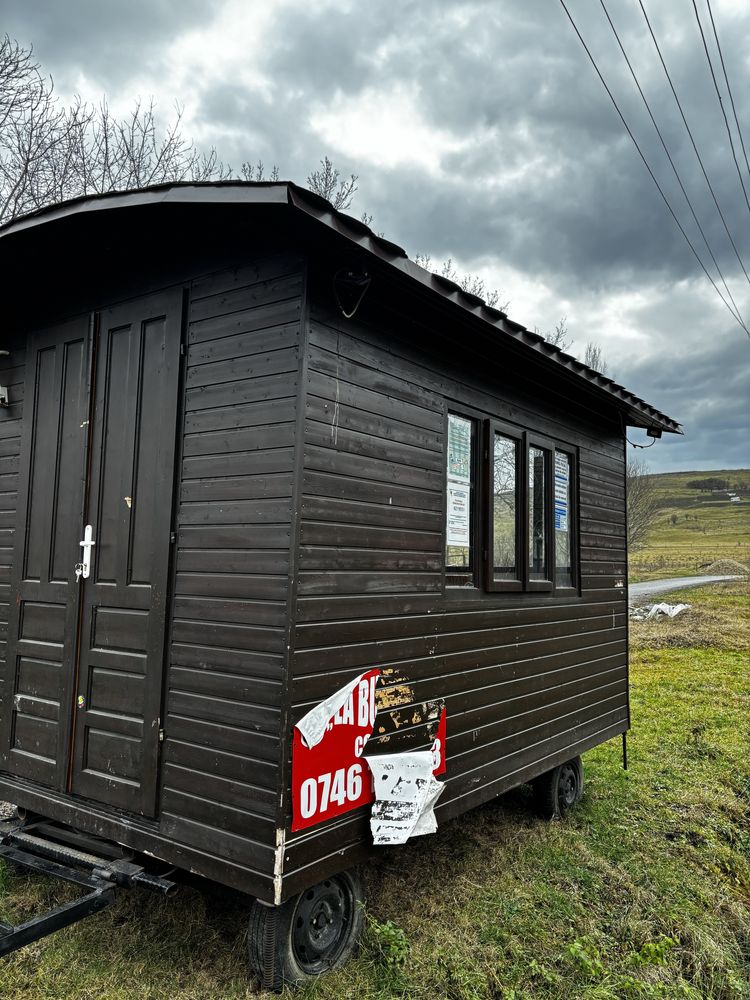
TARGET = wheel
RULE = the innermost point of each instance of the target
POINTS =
(558, 790)
(303, 938)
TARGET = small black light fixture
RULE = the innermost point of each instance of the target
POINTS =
(349, 288)
(654, 432)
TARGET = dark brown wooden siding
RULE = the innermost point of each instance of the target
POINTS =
(528, 679)
(220, 765)
(12, 375)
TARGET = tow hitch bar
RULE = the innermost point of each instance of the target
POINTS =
(98, 876)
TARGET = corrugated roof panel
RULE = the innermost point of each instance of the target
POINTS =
(639, 412)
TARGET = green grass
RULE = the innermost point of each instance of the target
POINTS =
(643, 892)
(694, 529)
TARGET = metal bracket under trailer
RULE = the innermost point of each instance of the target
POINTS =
(56, 851)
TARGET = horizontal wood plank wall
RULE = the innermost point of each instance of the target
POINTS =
(220, 764)
(526, 678)
(12, 375)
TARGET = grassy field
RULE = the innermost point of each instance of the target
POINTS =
(695, 529)
(643, 892)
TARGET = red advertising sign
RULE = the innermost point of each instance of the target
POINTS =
(438, 747)
(330, 776)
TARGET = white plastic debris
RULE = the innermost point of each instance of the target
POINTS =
(405, 795)
(655, 610)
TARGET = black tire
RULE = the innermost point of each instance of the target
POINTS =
(305, 937)
(558, 790)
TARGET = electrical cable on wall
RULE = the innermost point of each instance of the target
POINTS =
(353, 285)
(634, 444)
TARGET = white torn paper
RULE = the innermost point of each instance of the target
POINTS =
(405, 795)
(313, 725)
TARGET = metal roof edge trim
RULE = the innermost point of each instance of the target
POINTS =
(177, 192)
(324, 212)
(287, 192)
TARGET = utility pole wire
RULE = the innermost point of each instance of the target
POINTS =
(648, 167)
(729, 89)
(721, 103)
(692, 140)
(671, 162)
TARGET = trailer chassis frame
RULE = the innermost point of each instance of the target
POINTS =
(99, 876)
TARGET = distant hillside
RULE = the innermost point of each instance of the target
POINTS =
(705, 517)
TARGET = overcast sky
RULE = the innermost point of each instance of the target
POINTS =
(479, 131)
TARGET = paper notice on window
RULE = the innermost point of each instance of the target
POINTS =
(459, 449)
(562, 491)
(457, 529)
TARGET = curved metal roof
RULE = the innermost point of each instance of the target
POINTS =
(637, 411)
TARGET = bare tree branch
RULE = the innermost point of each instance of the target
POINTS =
(643, 501)
(49, 153)
(470, 283)
(329, 184)
(559, 337)
(594, 358)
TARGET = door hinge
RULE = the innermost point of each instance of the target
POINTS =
(172, 537)
(161, 735)
(182, 350)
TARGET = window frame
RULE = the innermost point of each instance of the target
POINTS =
(575, 556)
(480, 581)
(493, 427)
(472, 584)
(547, 445)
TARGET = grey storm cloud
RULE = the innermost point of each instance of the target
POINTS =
(538, 177)
(111, 42)
(709, 396)
(528, 83)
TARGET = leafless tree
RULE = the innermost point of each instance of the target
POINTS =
(248, 172)
(559, 337)
(470, 283)
(594, 357)
(643, 501)
(329, 184)
(49, 152)
(117, 155)
(34, 129)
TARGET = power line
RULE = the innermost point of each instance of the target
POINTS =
(729, 89)
(721, 104)
(671, 162)
(648, 167)
(692, 140)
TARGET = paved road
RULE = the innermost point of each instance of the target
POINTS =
(642, 591)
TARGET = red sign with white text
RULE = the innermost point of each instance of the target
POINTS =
(438, 747)
(332, 777)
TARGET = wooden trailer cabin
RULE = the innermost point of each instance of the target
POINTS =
(276, 503)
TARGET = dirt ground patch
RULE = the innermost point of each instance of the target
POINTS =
(728, 567)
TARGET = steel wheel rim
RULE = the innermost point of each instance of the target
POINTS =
(322, 922)
(567, 786)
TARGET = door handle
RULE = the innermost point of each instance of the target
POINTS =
(83, 568)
